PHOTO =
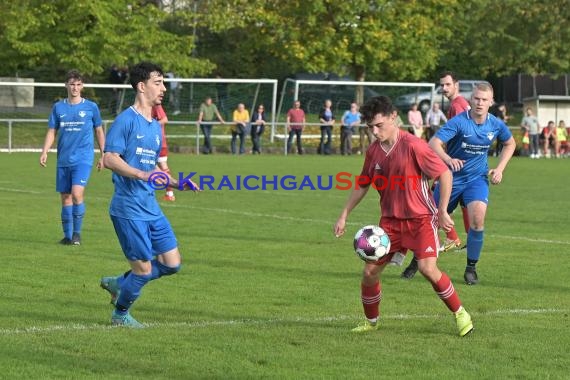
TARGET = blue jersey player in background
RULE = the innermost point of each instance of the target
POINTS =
(144, 233)
(468, 138)
(73, 120)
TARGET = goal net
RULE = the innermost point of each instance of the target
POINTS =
(313, 93)
(25, 106)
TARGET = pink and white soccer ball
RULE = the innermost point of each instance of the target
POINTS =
(371, 243)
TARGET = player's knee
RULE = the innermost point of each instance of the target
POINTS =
(168, 270)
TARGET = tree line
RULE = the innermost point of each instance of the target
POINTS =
(374, 40)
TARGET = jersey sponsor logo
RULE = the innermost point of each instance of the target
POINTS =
(140, 137)
(82, 113)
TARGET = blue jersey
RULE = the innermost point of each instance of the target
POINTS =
(74, 125)
(138, 141)
(470, 142)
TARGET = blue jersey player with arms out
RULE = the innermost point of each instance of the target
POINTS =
(73, 120)
(144, 233)
(468, 137)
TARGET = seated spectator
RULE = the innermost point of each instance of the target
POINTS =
(547, 138)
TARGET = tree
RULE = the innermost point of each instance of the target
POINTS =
(52, 37)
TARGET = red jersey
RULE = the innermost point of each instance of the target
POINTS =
(158, 113)
(457, 105)
(401, 176)
(296, 118)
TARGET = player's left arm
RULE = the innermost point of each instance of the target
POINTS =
(100, 137)
(496, 175)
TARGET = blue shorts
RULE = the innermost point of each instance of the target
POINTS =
(69, 176)
(477, 190)
(144, 239)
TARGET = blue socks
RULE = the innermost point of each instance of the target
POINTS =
(67, 221)
(78, 212)
(474, 247)
(130, 290)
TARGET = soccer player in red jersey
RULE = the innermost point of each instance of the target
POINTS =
(409, 215)
(159, 114)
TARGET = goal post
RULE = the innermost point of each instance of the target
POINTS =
(25, 106)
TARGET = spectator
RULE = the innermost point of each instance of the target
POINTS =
(116, 76)
(295, 125)
(350, 121)
(433, 120)
(174, 93)
(206, 119)
(258, 121)
(416, 121)
(530, 125)
(240, 119)
(548, 137)
(326, 117)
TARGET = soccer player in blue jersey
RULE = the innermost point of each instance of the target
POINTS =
(468, 137)
(73, 120)
(145, 235)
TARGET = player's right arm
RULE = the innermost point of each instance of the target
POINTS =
(437, 145)
(48, 142)
(115, 162)
(353, 200)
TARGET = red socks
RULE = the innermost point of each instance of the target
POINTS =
(371, 296)
(445, 290)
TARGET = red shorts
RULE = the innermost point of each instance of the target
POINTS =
(418, 235)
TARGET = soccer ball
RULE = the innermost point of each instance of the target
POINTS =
(371, 243)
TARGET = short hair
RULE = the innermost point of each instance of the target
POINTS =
(141, 72)
(451, 74)
(73, 74)
(484, 86)
(378, 105)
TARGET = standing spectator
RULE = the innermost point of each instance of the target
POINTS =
(144, 233)
(434, 117)
(174, 93)
(74, 120)
(468, 138)
(326, 117)
(116, 76)
(350, 121)
(258, 121)
(295, 125)
(206, 119)
(409, 216)
(530, 124)
(415, 119)
(159, 115)
(239, 127)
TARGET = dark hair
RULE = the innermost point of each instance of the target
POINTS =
(141, 72)
(378, 105)
(451, 74)
(73, 74)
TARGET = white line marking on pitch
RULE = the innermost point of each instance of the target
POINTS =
(272, 321)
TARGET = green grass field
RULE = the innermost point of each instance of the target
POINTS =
(266, 291)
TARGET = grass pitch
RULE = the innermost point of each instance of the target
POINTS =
(266, 291)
